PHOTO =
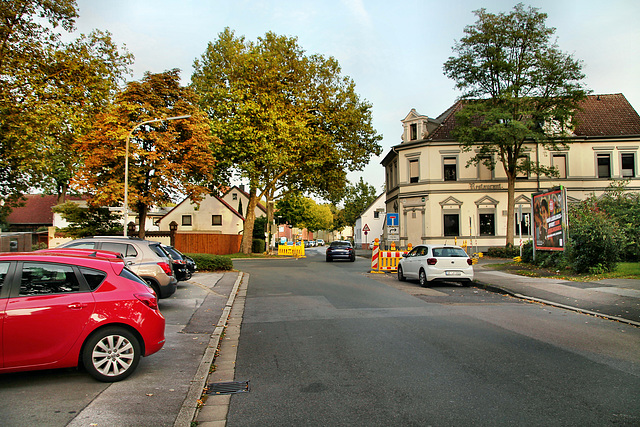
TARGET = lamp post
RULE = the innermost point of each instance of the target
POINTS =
(126, 163)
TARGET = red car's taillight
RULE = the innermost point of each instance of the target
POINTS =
(166, 268)
(432, 261)
(149, 300)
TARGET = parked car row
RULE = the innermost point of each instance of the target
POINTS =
(63, 308)
(90, 302)
(159, 265)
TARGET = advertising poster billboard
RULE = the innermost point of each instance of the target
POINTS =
(550, 220)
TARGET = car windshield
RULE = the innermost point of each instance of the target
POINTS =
(449, 252)
(340, 244)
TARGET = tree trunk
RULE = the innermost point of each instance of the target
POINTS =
(511, 208)
(249, 220)
(142, 219)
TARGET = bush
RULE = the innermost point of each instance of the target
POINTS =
(258, 246)
(594, 239)
(209, 262)
(503, 251)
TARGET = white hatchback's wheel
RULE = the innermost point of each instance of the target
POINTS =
(111, 354)
(400, 275)
(423, 279)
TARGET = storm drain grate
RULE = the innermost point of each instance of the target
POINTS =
(231, 387)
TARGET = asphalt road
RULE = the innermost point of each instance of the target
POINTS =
(152, 396)
(330, 344)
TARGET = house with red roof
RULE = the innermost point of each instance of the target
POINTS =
(36, 213)
(441, 200)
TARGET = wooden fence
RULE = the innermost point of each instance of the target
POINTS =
(201, 243)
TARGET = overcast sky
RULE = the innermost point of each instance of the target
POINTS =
(394, 51)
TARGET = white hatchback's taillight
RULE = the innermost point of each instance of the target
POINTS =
(432, 261)
(149, 300)
(469, 261)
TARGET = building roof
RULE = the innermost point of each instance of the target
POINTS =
(607, 115)
(597, 115)
(36, 210)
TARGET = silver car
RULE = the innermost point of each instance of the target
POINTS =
(429, 263)
(144, 257)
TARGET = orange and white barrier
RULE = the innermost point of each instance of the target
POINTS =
(382, 261)
(389, 260)
(375, 257)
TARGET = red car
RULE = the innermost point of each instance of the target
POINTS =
(60, 310)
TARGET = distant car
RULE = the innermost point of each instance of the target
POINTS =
(144, 257)
(320, 242)
(64, 309)
(183, 266)
(340, 249)
(429, 263)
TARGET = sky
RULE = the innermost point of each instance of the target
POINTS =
(393, 51)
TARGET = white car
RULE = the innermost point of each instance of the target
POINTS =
(429, 263)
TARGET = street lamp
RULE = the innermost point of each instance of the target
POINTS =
(126, 163)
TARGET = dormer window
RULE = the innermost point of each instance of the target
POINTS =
(414, 131)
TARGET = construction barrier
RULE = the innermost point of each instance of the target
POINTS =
(375, 256)
(291, 250)
(389, 260)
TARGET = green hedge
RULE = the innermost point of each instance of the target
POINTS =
(209, 262)
(258, 246)
(503, 252)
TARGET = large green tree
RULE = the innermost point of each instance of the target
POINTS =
(304, 212)
(289, 121)
(358, 197)
(51, 91)
(520, 88)
(168, 159)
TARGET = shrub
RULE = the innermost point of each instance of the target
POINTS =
(594, 239)
(258, 246)
(209, 262)
(503, 251)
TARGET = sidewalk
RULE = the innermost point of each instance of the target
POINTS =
(616, 299)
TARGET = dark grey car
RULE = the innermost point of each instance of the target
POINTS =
(340, 249)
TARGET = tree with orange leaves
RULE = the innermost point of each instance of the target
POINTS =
(168, 159)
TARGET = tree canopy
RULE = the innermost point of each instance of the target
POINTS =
(168, 159)
(50, 93)
(289, 121)
(358, 197)
(519, 86)
(304, 212)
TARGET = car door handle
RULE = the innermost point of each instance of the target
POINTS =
(77, 305)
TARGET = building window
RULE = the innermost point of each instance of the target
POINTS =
(234, 196)
(376, 215)
(449, 168)
(484, 172)
(487, 224)
(525, 223)
(216, 219)
(604, 165)
(414, 171)
(628, 165)
(524, 174)
(560, 163)
(186, 220)
(451, 224)
(414, 131)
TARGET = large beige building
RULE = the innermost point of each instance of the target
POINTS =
(440, 200)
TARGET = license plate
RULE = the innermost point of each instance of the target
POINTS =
(452, 273)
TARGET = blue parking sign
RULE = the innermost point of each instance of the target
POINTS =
(393, 220)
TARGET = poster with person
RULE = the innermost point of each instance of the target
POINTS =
(549, 219)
